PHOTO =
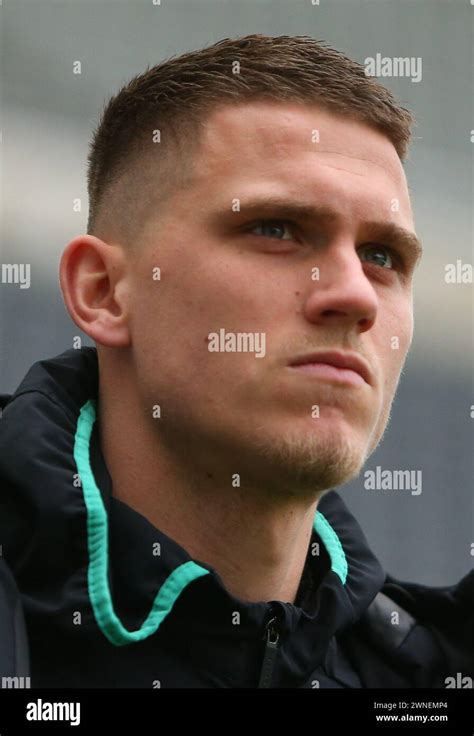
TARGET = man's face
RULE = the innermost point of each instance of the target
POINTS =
(339, 279)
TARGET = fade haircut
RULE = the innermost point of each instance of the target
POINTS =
(130, 173)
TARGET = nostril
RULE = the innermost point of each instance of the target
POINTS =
(366, 322)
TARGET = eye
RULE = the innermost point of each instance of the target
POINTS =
(273, 228)
(381, 255)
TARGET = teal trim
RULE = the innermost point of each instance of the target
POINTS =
(331, 541)
(98, 548)
(176, 582)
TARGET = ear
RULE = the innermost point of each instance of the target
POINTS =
(95, 287)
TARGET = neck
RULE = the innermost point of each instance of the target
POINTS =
(257, 542)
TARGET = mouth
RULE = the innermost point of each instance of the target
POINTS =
(334, 366)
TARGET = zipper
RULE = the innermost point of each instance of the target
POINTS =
(272, 638)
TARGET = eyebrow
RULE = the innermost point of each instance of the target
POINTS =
(389, 232)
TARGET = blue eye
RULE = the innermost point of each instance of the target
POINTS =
(273, 228)
(382, 255)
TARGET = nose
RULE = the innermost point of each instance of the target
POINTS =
(344, 295)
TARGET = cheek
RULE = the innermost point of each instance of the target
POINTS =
(403, 327)
(395, 340)
(172, 318)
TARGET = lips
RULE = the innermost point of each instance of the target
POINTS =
(344, 361)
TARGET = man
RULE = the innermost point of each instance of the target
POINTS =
(247, 281)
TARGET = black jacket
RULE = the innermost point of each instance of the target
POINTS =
(111, 601)
(13, 639)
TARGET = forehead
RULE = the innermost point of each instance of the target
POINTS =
(300, 148)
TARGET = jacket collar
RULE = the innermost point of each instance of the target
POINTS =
(130, 577)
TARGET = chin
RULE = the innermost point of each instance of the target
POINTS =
(313, 461)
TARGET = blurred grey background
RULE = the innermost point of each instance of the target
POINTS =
(48, 114)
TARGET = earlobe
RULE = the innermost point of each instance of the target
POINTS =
(93, 279)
